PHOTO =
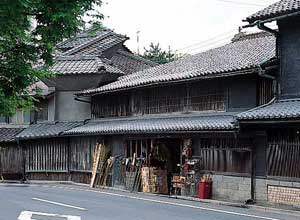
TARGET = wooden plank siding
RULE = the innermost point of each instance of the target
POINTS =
(11, 161)
(60, 159)
(82, 151)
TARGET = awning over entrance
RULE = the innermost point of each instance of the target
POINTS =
(166, 124)
(281, 109)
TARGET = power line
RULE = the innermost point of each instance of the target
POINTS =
(209, 39)
(209, 45)
(241, 3)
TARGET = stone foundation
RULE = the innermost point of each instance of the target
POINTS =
(238, 189)
(231, 188)
(278, 192)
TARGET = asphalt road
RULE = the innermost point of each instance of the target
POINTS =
(66, 202)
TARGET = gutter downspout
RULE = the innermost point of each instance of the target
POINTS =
(261, 26)
(81, 100)
(261, 72)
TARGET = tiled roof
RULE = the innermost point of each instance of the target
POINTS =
(86, 37)
(162, 124)
(82, 64)
(249, 36)
(47, 129)
(235, 56)
(282, 109)
(9, 134)
(130, 63)
(99, 47)
(282, 7)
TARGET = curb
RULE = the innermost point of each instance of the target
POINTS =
(292, 211)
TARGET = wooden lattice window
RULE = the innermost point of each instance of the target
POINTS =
(180, 98)
(206, 97)
(224, 154)
(283, 153)
(111, 106)
(265, 91)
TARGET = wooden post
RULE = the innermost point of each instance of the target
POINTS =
(97, 155)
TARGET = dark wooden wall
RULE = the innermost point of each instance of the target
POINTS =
(82, 151)
(11, 161)
(289, 43)
(60, 159)
(81, 158)
(216, 95)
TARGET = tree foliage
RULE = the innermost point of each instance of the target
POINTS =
(158, 55)
(29, 30)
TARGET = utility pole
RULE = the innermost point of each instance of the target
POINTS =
(138, 41)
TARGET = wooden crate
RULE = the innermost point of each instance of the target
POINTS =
(154, 180)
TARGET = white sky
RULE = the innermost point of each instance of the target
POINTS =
(179, 23)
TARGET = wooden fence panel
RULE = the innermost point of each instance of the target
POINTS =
(224, 155)
(82, 150)
(11, 159)
(283, 154)
(47, 155)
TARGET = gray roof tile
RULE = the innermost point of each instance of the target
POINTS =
(282, 7)
(82, 64)
(47, 129)
(86, 37)
(281, 109)
(161, 124)
(130, 63)
(9, 134)
(99, 47)
(235, 56)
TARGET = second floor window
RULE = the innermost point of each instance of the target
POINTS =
(3, 120)
(26, 117)
(180, 98)
(198, 97)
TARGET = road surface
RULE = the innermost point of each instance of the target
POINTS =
(68, 202)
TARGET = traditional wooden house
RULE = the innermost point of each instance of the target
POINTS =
(87, 60)
(236, 107)
(276, 124)
(195, 98)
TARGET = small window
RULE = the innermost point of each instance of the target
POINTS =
(3, 120)
(26, 117)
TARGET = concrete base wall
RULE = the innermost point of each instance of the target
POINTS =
(231, 188)
(274, 192)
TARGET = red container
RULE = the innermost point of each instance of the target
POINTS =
(205, 190)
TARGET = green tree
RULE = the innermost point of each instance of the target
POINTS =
(29, 30)
(158, 55)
